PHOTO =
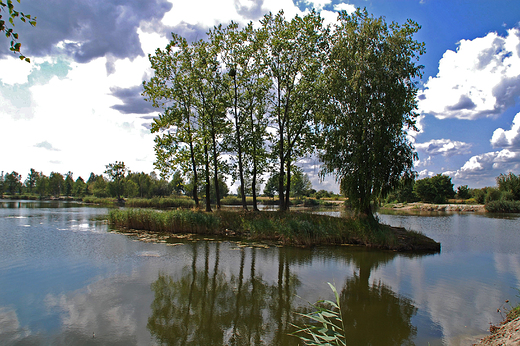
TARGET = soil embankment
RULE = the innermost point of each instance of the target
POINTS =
(507, 335)
(477, 208)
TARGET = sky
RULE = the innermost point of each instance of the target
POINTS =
(78, 106)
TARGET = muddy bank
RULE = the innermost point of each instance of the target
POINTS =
(477, 208)
(507, 335)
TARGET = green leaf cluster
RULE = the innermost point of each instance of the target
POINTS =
(8, 7)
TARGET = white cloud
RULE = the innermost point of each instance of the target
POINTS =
(489, 165)
(425, 174)
(507, 138)
(318, 4)
(444, 147)
(345, 7)
(423, 163)
(480, 79)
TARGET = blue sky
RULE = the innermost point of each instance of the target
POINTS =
(77, 106)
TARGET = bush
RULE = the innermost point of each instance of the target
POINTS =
(492, 194)
(503, 206)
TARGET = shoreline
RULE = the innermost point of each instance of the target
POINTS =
(453, 207)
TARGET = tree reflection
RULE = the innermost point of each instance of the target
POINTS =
(211, 304)
(372, 313)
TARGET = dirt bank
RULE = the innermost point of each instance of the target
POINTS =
(478, 208)
(507, 335)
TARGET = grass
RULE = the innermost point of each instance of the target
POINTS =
(288, 228)
(160, 202)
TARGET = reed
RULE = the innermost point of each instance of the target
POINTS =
(288, 228)
(503, 206)
(160, 202)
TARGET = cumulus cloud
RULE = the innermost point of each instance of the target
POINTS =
(345, 7)
(85, 29)
(508, 138)
(133, 101)
(46, 145)
(489, 165)
(480, 79)
(444, 147)
(423, 163)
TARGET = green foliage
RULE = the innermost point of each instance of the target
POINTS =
(478, 194)
(12, 183)
(492, 194)
(436, 189)
(326, 326)
(116, 173)
(7, 27)
(160, 202)
(503, 206)
(510, 183)
(371, 76)
(463, 192)
(56, 183)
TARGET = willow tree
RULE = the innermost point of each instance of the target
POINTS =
(372, 73)
(294, 63)
(177, 143)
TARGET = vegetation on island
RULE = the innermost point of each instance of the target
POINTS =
(266, 97)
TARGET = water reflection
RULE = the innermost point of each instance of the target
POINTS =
(207, 303)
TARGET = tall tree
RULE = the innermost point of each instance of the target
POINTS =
(177, 143)
(56, 183)
(68, 184)
(12, 182)
(30, 182)
(213, 101)
(294, 63)
(372, 74)
(116, 172)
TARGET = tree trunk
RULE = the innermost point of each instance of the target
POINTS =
(208, 180)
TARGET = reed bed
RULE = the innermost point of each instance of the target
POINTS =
(288, 228)
(160, 202)
(503, 206)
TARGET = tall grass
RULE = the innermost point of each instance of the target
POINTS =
(160, 202)
(326, 327)
(290, 228)
(503, 206)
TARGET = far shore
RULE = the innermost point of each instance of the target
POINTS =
(419, 206)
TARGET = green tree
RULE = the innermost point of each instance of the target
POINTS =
(56, 182)
(79, 187)
(8, 27)
(131, 189)
(436, 189)
(371, 77)
(2, 185)
(463, 192)
(68, 184)
(511, 183)
(99, 187)
(42, 185)
(116, 172)
(300, 183)
(177, 183)
(177, 143)
(294, 64)
(12, 183)
(30, 182)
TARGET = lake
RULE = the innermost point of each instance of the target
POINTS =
(67, 279)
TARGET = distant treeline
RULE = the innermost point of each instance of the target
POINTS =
(119, 182)
(504, 197)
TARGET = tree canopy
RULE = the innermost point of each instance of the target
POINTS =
(371, 75)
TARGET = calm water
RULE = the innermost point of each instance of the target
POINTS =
(65, 279)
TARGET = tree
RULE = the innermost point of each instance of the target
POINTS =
(79, 187)
(463, 192)
(68, 184)
(116, 172)
(30, 182)
(12, 183)
(177, 183)
(12, 14)
(56, 183)
(511, 183)
(372, 96)
(300, 183)
(436, 189)
(42, 185)
(177, 143)
(294, 64)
